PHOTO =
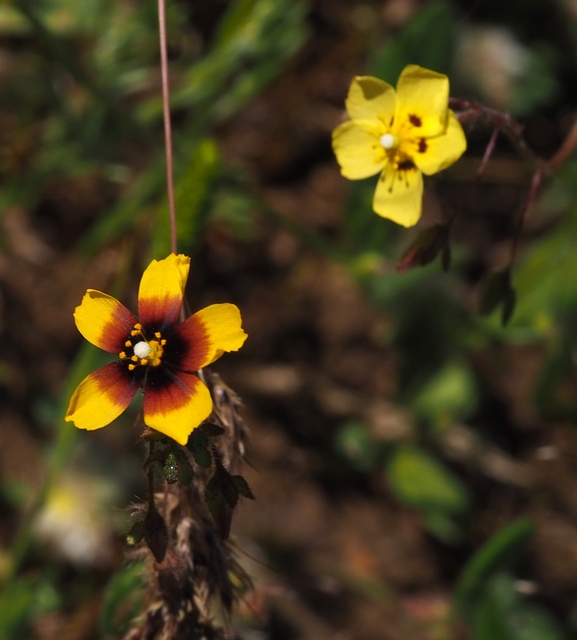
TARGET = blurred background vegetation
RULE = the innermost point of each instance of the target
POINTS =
(414, 462)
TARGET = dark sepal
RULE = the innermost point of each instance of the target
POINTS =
(425, 249)
(221, 495)
(242, 487)
(497, 291)
(155, 534)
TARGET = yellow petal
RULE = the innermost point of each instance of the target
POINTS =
(103, 321)
(358, 150)
(399, 195)
(435, 154)
(176, 404)
(422, 102)
(161, 291)
(101, 397)
(370, 99)
(206, 335)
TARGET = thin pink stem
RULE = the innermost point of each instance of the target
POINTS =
(488, 152)
(533, 189)
(167, 127)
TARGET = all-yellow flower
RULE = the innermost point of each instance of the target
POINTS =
(402, 134)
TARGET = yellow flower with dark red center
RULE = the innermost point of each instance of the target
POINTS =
(155, 353)
(402, 134)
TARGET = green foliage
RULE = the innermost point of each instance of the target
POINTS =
(16, 605)
(498, 553)
(420, 481)
(254, 40)
(427, 40)
(354, 442)
(122, 600)
(501, 614)
(449, 396)
(192, 191)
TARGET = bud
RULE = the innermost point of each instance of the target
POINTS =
(425, 249)
(497, 291)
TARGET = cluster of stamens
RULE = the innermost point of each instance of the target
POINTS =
(144, 352)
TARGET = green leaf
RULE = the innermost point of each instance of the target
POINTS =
(136, 533)
(497, 553)
(420, 481)
(450, 395)
(356, 444)
(502, 614)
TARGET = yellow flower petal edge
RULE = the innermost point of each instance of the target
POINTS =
(399, 200)
(424, 95)
(100, 398)
(177, 409)
(103, 320)
(223, 326)
(162, 290)
(358, 155)
(441, 152)
(370, 99)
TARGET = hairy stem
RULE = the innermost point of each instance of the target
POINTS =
(167, 127)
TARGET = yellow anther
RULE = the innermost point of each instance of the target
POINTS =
(128, 343)
(143, 361)
(163, 342)
(134, 332)
(131, 367)
(122, 355)
(134, 358)
(158, 335)
(138, 326)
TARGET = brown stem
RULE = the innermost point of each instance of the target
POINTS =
(167, 127)
(151, 505)
(506, 123)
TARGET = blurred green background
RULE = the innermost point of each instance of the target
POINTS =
(414, 462)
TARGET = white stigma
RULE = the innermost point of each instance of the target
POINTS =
(142, 349)
(387, 140)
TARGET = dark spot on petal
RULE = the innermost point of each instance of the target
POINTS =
(391, 122)
(415, 120)
(422, 145)
(175, 350)
(134, 376)
(406, 165)
(158, 378)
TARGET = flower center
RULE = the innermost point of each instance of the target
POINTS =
(143, 352)
(388, 141)
(142, 349)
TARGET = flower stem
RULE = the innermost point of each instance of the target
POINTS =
(167, 127)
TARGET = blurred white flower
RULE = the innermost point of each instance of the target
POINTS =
(494, 60)
(73, 523)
